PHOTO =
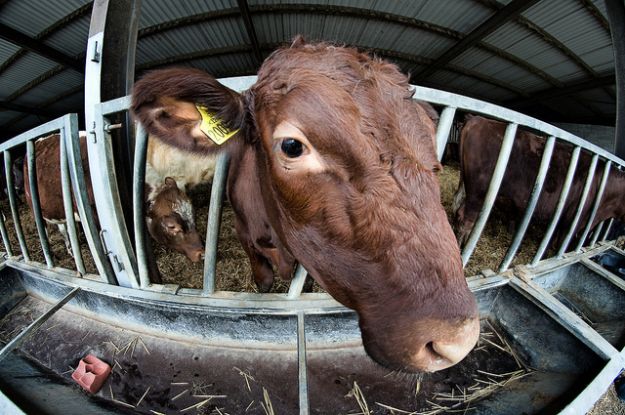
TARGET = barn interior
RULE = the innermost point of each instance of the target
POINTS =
(233, 350)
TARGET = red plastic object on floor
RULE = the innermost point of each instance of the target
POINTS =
(91, 373)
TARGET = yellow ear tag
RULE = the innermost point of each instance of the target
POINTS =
(213, 127)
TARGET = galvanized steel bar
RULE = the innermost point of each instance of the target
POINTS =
(580, 206)
(607, 230)
(13, 204)
(531, 205)
(32, 328)
(301, 365)
(83, 204)
(595, 208)
(138, 204)
(445, 98)
(564, 316)
(566, 187)
(596, 233)
(39, 131)
(297, 283)
(114, 232)
(36, 206)
(5, 236)
(491, 194)
(68, 205)
(214, 222)
(442, 131)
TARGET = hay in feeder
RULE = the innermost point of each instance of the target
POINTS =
(233, 268)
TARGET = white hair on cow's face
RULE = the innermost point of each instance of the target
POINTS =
(184, 208)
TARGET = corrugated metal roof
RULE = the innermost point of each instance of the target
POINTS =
(557, 18)
(158, 11)
(47, 90)
(499, 67)
(73, 38)
(6, 50)
(421, 43)
(484, 62)
(222, 66)
(32, 16)
(24, 70)
(210, 35)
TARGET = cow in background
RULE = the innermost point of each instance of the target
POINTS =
(17, 174)
(480, 142)
(169, 213)
(333, 163)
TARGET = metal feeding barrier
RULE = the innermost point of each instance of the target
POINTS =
(128, 278)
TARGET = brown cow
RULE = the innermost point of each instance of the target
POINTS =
(169, 213)
(334, 165)
(480, 142)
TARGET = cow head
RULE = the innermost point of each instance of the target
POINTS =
(347, 164)
(170, 221)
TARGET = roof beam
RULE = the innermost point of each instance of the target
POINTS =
(10, 106)
(55, 27)
(24, 41)
(568, 89)
(249, 28)
(592, 9)
(510, 11)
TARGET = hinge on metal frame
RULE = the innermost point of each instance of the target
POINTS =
(93, 134)
(111, 254)
(96, 55)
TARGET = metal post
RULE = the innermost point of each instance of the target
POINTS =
(214, 222)
(596, 233)
(607, 230)
(442, 131)
(301, 364)
(580, 206)
(297, 284)
(531, 205)
(79, 188)
(566, 187)
(138, 204)
(5, 236)
(34, 199)
(616, 17)
(595, 208)
(68, 205)
(491, 194)
(114, 232)
(28, 331)
(13, 204)
(118, 73)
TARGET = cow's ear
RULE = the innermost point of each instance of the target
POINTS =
(173, 103)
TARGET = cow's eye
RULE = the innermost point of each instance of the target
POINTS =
(292, 147)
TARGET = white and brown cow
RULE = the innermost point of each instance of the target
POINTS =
(334, 165)
(169, 213)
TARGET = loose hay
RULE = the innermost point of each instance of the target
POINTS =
(497, 235)
(233, 269)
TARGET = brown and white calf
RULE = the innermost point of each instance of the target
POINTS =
(333, 165)
(169, 214)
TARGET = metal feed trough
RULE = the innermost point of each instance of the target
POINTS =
(553, 331)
